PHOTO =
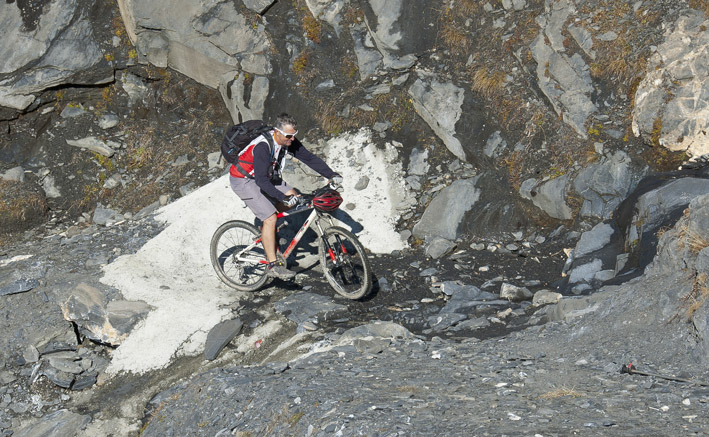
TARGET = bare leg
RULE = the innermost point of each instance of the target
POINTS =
(268, 233)
(268, 237)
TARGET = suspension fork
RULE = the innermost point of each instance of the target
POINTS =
(328, 246)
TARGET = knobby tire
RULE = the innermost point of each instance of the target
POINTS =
(229, 240)
(349, 274)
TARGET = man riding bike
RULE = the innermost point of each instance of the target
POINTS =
(256, 179)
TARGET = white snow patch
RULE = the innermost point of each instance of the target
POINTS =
(6, 262)
(354, 156)
(173, 272)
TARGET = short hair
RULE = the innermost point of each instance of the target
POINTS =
(285, 119)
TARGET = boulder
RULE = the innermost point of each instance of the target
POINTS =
(585, 272)
(462, 296)
(369, 60)
(220, 336)
(375, 329)
(594, 240)
(603, 185)
(439, 104)
(545, 297)
(446, 211)
(495, 145)
(418, 162)
(514, 293)
(549, 196)
(108, 323)
(103, 216)
(439, 247)
(18, 286)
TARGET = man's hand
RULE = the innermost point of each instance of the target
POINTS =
(290, 201)
(336, 180)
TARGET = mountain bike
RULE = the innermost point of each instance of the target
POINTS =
(240, 261)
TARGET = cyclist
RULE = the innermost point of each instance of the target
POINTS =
(256, 179)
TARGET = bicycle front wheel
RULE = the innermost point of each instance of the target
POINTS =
(345, 263)
(238, 256)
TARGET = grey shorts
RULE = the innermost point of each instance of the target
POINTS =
(257, 201)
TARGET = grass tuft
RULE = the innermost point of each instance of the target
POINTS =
(488, 83)
(561, 393)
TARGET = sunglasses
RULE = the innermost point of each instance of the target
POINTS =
(288, 136)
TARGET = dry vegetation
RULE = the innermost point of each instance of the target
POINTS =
(622, 60)
(700, 5)
(20, 207)
(561, 393)
(693, 241)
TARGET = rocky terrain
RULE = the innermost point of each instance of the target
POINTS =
(528, 176)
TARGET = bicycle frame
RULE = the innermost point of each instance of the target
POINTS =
(313, 218)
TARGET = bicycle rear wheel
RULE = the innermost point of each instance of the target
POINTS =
(237, 255)
(345, 263)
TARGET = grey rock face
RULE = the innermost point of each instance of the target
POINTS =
(369, 60)
(211, 43)
(594, 239)
(605, 184)
(565, 80)
(386, 31)
(653, 207)
(204, 41)
(446, 210)
(672, 96)
(56, 49)
(233, 90)
(440, 106)
(62, 422)
(548, 196)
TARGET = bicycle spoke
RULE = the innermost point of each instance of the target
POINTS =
(238, 257)
(344, 263)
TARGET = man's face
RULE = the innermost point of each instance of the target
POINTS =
(285, 135)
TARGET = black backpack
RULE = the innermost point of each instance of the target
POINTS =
(238, 136)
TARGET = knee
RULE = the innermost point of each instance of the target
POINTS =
(270, 221)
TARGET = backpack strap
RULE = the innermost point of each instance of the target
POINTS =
(265, 132)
